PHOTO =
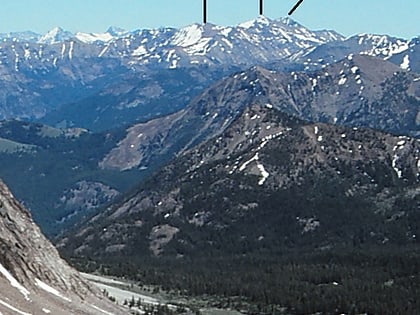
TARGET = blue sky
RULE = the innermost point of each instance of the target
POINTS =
(398, 18)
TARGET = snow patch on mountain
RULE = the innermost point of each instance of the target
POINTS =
(89, 38)
(42, 285)
(264, 174)
(71, 50)
(101, 310)
(382, 45)
(117, 31)
(14, 309)
(14, 283)
(395, 166)
(140, 51)
(342, 81)
(405, 65)
(244, 165)
(260, 20)
(188, 36)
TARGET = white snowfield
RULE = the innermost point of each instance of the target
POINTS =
(14, 283)
(51, 290)
(96, 278)
(14, 309)
(14, 299)
(119, 294)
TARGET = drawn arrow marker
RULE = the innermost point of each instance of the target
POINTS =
(295, 7)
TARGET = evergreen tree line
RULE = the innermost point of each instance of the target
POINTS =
(369, 280)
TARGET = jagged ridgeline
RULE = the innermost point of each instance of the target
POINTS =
(271, 195)
(119, 77)
(292, 184)
(268, 181)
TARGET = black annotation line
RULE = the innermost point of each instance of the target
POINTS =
(261, 9)
(295, 7)
(204, 11)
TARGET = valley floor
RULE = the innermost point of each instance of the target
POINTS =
(126, 293)
(358, 281)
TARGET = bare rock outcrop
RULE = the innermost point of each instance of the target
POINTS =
(33, 277)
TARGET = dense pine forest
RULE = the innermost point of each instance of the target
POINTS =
(369, 280)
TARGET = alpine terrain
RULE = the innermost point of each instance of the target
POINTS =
(33, 277)
(263, 168)
(287, 179)
(268, 187)
(359, 91)
(44, 76)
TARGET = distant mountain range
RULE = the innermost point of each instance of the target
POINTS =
(400, 51)
(181, 145)
(60, 68)
(61, 75)
(59, 35)
(152, 95)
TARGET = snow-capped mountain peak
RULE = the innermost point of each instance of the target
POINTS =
(89, 38)
(56, 35)
(289, 22)
(59, 35)
(188, 36)
(377, 45)
(116, 31)
(260, 20)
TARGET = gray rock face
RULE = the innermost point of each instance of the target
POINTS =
(33, 277)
